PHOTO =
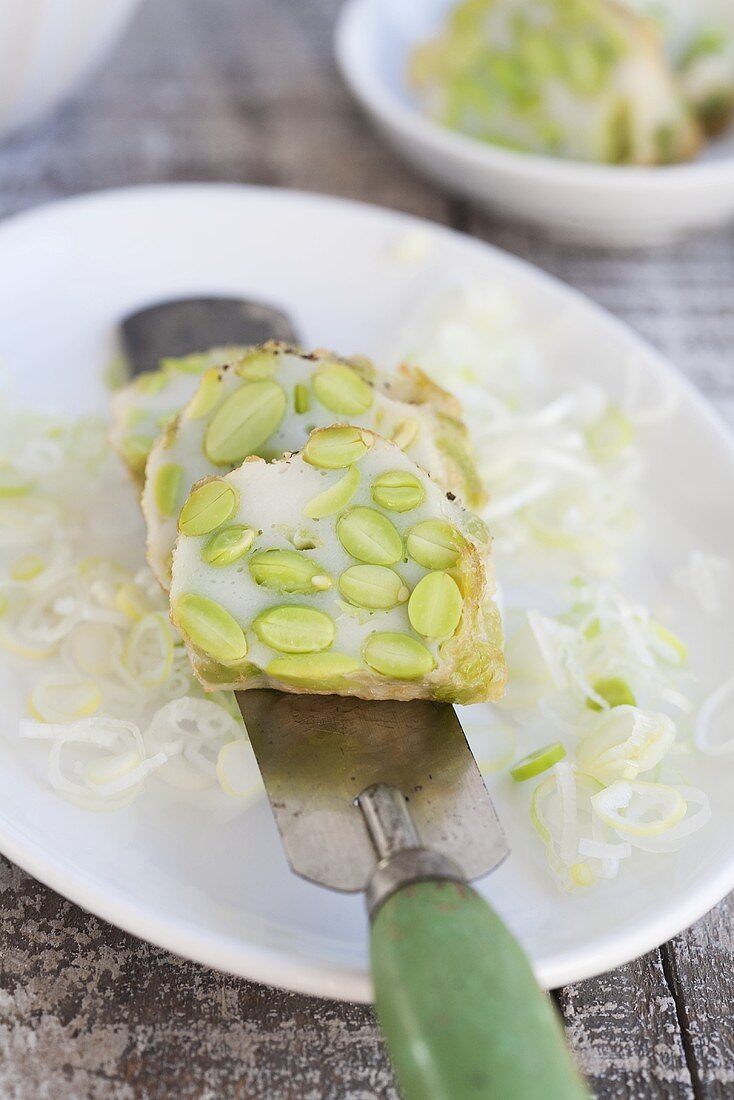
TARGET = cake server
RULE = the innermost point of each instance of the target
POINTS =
(385, 797)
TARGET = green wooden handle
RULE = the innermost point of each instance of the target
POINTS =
(460, 1009)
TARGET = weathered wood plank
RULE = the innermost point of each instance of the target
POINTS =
(699, 965)
(623, 1028)
(87, 1011)
(240, 91)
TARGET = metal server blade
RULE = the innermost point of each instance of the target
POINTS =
(177, 328)
(317, 753)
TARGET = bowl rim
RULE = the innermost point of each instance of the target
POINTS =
(377, 98)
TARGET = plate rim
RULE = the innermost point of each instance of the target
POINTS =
(278, 967)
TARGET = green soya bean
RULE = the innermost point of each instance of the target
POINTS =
(257, 365)
(288, 571)
(375, 587)
(210, 628)
(434, 544)
(435, 605)
(398, 656)
(337, 447)
(186, 364)
(207, 395)
(341, 389)
(166, 487)
(295, 629)
(209, 506)
(369, 536)
(476, 528)
(303, 540)
(244, 421)
(227, 545)
(136, 448)
(301, 398)
(335, 497)
(314, 671)
(132, 417)
(151, 382)
(397, 490)
(406, 433)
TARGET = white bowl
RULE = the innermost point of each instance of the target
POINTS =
(596, 204)
(47, 47)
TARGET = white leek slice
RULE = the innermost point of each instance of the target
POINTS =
(95, 783)
(27, 567)
(603, 849)
(640, 809)
(191, 733)
(27, 521)
(109, 769)
(598, 849)
(237, 770)
(708, 577)
(713, 723)
(92, 647)
(132, 601)
(623, 742)
(698, 814)
(52, 611)
(13, 640)
(105, 732)
(64, 697)
(560, 813)
(148, 653)
(610, 436)
(111, 776)
(668, 645)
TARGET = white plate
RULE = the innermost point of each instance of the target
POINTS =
(596, 204)
(222, 894)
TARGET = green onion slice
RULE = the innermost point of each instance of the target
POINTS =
(537, 762)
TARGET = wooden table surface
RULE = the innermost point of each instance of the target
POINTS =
(246, 90)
